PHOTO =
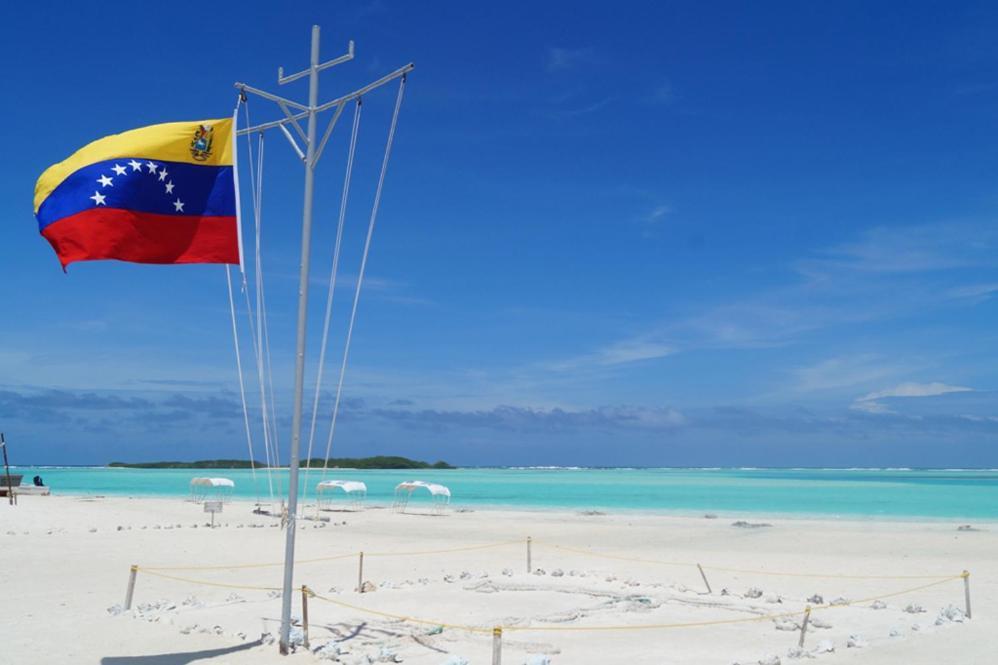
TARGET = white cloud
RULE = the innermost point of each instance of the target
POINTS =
(870, 402)
(842, 372)
(620, 353)
(560, 59)
(915, 390)
(664, 94)
(657, 214)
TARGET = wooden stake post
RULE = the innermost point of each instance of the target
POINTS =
(6, 468)
(497, 645)
(131, 587)
(803, 627)
(304, 613)
(360, 573)
(966, 592)
(706, 583)
(530, 568)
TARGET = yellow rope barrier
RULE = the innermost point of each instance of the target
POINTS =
(480, 629)
(647, 626)
(222, 585)
(349, 555)
(403, 617)
(456, 549)
(743, 571)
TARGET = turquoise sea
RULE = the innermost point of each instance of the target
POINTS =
(892, 493)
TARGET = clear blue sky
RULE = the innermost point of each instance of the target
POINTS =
(629, 234)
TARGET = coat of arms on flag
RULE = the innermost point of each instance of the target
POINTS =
(201, 144)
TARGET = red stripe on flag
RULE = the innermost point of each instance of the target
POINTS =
(141, 237)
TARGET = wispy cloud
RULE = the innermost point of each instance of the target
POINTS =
(657, 214)
(519, 419)
(841, 372)
(619, 353)
(663, 94)
(583, 108)
(909, 249)
(872, 402)
(559, 59)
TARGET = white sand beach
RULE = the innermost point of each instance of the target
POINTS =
(66, 563)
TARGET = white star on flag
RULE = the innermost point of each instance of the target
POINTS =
(98, 199)
(136, 166)
(169, 187)
(118, 169)
(162, 174)
(105, 181)
(178, 205)
(152, 166)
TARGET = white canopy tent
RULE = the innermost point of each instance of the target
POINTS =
(439, 495)
(218, 489)
(354, 490)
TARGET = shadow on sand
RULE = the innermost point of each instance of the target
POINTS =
(177, 658)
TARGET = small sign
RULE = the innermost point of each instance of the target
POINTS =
(213, 507)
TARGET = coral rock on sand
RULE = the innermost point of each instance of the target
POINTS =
(368, 587)
(455, 660)
(914, 608)
(754, 592)
(742, 524)
(557, 572)
(508, 572)
(388, 655)
(966, 527)
(537, 660)
(855, 642)
(816, 599)
(950, 613)
(796, 652)
(328, 651)
(770, 660)
(786, 624)
(878, 605)
(825, 646)
(818, 622)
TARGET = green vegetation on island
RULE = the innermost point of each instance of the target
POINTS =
(377, 462)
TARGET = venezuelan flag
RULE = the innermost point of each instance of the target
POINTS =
(158, 194)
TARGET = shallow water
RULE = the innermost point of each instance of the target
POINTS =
(893, 493)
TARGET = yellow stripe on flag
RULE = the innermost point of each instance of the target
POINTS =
(169, 142)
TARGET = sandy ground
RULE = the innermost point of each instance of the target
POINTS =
(64, 565)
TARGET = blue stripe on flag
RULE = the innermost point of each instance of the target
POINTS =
(184, 189)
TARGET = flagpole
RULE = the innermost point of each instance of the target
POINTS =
(306, 246)
(310, 157)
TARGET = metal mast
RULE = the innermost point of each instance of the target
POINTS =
(310, 158)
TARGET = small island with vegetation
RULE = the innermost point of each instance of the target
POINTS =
(377, 462)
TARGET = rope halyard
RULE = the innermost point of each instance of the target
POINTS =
(333, 274)
(363, 265)
(239, 369)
